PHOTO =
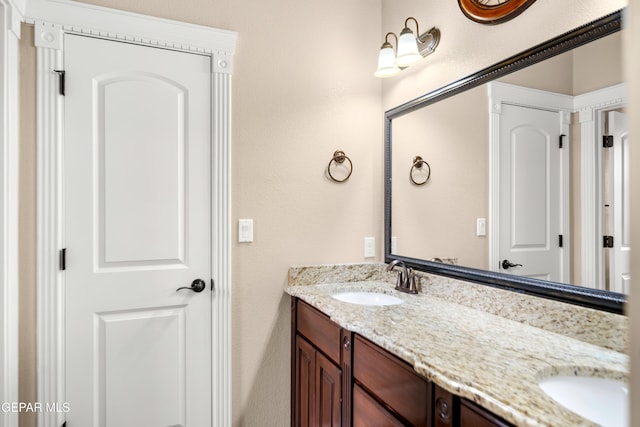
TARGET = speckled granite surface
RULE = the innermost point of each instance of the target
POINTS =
(462, 345)
(603, 329)
(340, 273)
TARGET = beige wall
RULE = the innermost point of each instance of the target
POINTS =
(438, 219)
(589, 75)
(302, 88)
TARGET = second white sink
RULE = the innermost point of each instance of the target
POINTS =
(367, 298)
(601, 400)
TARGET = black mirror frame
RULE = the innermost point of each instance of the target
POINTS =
(587, 297)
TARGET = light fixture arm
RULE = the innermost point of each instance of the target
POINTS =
(386, 40)
(406, 23)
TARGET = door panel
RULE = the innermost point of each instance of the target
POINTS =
(328, 396)
(137, 198)
(621, 252)
(530, 189)
(305, 383)
(121, 356)
(146, 117)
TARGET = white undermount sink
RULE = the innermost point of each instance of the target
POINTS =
(601, 400)
(367, 298)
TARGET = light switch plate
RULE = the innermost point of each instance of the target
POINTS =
(481, 227)
(245, 230)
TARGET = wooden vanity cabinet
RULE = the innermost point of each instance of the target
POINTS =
(342, 379)
(321, 351)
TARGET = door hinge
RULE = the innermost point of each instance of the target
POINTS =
(61, 74)
(212, 285)
(63, 259)
(560, 240)
(561, 140)
(607, 141)
(607, 241)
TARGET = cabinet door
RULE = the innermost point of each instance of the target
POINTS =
(328, 387)
(304, 412)
(320, 393)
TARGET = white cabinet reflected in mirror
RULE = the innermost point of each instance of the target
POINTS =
(522, 191)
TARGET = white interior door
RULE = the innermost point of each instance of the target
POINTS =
(620, 268)
(530, 191)
(137, 227)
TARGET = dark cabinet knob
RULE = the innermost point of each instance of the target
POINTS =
(346, 342)
(442, 410)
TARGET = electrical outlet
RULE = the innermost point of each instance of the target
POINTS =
(369, 247)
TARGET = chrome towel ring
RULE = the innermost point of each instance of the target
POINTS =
(339, 157)
(417, 164)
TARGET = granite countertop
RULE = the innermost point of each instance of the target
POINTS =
(489, 359)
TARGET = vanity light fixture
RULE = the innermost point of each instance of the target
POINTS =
(410, 49)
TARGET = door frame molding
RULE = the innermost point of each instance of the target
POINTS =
(502, 93)
(10, 21)
(51, 19)
(590, 106)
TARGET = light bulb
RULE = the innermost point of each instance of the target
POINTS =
(386, 62)
(408, 53)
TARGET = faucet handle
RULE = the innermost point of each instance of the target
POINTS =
(412, 288)
(400, 280)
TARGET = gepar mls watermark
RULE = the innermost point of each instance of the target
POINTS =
(17, 407)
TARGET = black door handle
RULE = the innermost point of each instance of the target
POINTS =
(506, 264)
(197, 285)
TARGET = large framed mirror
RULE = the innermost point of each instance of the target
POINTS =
(522, 192)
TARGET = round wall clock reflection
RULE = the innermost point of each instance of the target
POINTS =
(493, 12)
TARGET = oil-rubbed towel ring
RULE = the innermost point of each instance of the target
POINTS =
(417, 164)
(339, 157)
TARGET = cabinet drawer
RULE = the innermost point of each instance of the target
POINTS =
(392, 381)
(472, 415)
(319, 330)
(369, 413)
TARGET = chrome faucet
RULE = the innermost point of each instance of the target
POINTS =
(406, 278)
